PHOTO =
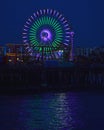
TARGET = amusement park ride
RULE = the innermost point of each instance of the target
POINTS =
(47, 35)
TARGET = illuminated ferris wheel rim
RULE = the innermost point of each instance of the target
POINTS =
(55, 36)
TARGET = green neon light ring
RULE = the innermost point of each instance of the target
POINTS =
(46, 21)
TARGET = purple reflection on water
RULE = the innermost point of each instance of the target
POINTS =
(46, 35)
(52, 111)
(57, 111)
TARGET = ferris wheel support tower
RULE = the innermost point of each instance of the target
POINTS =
(72, 49)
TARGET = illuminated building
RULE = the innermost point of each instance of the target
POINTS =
(14, 52)
(79, 51)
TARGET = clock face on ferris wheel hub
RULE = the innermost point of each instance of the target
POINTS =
(47, 28)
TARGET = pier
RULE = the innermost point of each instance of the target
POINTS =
(32, 77)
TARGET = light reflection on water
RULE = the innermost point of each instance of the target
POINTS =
(51, 111)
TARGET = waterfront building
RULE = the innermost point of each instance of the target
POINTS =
(14, 52)
(79, 51)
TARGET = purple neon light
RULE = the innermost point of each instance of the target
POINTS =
(67, 29)
(67, 36)
(32, 17)
(38, 54)
(66, 25)
(28, 23)
(41, 12)
(25, 40)
(29, 20)
(51, 11)
(67, 32)
(25, 29)
(27, 47)
(46, 35)
(47, 11)
(54, 12)
(62, 19)
(67, 40)
(71, 33)
(26, 44)
(35, 15)
(60, 16)
(24, 33)
(65, 21)
(65, 44)
(57, 14)
(26, 26)
(25, 37)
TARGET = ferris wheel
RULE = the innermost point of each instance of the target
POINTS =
(46, 33)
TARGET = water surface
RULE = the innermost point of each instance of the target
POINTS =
(52, 111)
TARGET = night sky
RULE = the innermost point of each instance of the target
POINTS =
(85, 16)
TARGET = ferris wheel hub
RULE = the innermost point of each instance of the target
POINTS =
(46, 35)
